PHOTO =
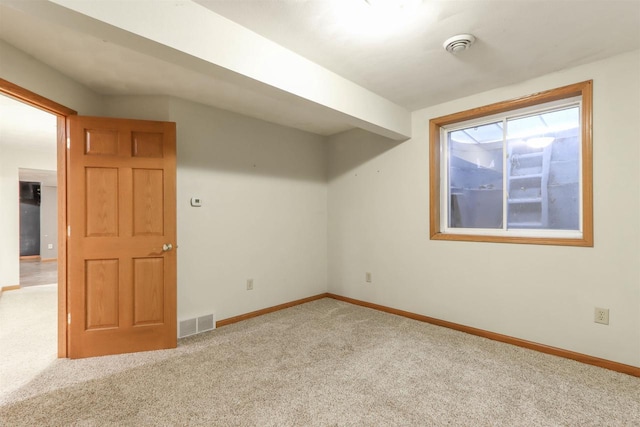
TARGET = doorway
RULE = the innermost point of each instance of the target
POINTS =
(39, 222)
(138, 218)
(26, 97)
(28, 166)
(28, 170)
(30, 201)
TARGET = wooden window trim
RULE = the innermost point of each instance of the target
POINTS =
(583, 90)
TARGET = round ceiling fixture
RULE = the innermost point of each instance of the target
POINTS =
(458, 43)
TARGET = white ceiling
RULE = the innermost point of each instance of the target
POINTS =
(402, 58)
(399, 57)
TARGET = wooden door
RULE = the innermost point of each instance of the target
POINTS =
(122, 236)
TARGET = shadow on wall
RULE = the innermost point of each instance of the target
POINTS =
(214, 139)
(361, 146)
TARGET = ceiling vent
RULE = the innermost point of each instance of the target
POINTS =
(458, 43)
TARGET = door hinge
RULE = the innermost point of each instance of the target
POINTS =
(68, 318)
(68, 143)
(68, 231)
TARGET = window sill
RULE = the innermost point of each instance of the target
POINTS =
(585, 241)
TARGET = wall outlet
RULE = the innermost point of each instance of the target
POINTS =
(601, 315)
(249, 284)
(50, 246)
(367, 277)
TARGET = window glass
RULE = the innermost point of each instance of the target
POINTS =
(543, 184)
(475, 176)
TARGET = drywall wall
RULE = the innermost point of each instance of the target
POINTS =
(263, 213)
(11, 159)
(379, 217)
(137, 107)
(266, 216)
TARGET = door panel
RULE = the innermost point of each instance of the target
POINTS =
(121, 211)
(101, 287)
(101, 142)
(148, 194)
(148, 299)
(101, 186)
(146, 144)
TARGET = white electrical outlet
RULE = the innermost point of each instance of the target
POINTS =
(601, 315)
(249, 284)
(367, 277)
(50, 246)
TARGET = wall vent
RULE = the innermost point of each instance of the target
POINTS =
(196, 325)
(188, 327)
(206, 323)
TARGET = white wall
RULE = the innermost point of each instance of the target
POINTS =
(264, 210)
(379, 218)
(138, 107)
(11, 159)
(267, 215)
(263, 217)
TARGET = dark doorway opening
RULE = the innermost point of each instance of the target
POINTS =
(29, 218)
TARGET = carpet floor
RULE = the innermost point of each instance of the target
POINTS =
(327, 363)
(28, 335)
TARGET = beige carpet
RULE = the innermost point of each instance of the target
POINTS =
(28, 335)
(327, 363)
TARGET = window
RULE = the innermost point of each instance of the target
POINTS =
(518, 171)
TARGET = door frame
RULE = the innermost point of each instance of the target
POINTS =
(31, 98)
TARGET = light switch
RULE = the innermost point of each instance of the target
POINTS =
(196, 202)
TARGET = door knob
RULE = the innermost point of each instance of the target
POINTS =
(167, 247)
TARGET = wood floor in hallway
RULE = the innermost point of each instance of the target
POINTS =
(35, 272)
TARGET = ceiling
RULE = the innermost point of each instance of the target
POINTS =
(401, 57)
(395, 54)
